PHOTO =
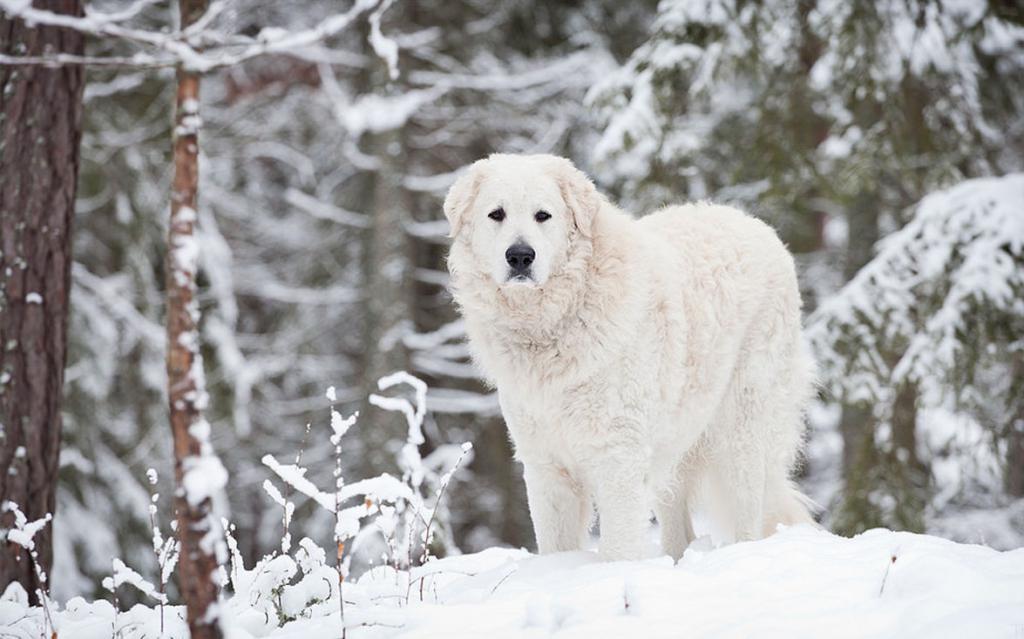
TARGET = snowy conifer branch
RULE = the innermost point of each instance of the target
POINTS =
(911, 313)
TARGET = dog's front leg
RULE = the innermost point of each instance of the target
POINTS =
(559, 507)
(622, 509)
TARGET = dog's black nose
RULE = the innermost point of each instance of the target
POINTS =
(520, 256)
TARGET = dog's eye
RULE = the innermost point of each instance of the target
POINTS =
(497, 214)
(542, 216)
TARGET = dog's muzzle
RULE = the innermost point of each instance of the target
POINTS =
(519, 257)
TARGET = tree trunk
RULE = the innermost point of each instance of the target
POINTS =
(855, 511)
(1015, 430)
(40, 129)
(388, 275)
(857, 421)
(197, 470)
(908, 476)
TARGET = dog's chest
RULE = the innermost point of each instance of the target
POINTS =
(544, 423)
(570, 419)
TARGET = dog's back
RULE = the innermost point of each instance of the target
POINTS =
(742, 305)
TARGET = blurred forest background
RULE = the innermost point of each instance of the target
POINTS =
(323, 242)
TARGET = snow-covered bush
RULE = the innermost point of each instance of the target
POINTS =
(21, 540)
(395, 522)
(391, 519)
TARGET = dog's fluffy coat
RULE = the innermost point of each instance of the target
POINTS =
(656, 360)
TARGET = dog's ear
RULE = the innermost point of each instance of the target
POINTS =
(580, 195)
(460, 197)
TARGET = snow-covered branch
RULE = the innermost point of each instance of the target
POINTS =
(137, 61)
(582, 66)
(949, 277)
(325, 211)
(197, 48)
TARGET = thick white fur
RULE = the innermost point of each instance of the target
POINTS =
(655, 359)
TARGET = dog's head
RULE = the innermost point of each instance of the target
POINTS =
(517, 216)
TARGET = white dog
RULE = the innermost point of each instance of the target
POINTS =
(637, 362)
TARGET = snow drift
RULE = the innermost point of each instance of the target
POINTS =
(801, 582)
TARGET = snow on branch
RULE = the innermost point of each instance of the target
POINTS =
(197, 48)
(376, 113)
(455, 330)
(24, 531)
(951, 276)
(385, 487)
(324, 211)
(583, 67)
(455, 401)
(23, 534)
(134, 9)
(294, 585)
(383, 46)
(400, 511)
(122, 574)
(413, 416)
(137, 61)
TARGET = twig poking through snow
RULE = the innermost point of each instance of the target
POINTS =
(165, 550)
(339, 426)
(445, 479)
(514, 570)
(888, 568)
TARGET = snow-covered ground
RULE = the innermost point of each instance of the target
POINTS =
(801, 582)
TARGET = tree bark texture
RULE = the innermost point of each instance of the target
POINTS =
(40, 130)
(857, 421)
(388, 307)
(1015, 430)
(197, 530)
(855, 511)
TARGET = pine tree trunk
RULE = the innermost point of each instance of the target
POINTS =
(857, 421)
(855, 512)
(907, 479)
(40, 130)
(1015, 431)
(197, 529)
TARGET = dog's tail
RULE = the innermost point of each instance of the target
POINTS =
(785, 504)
